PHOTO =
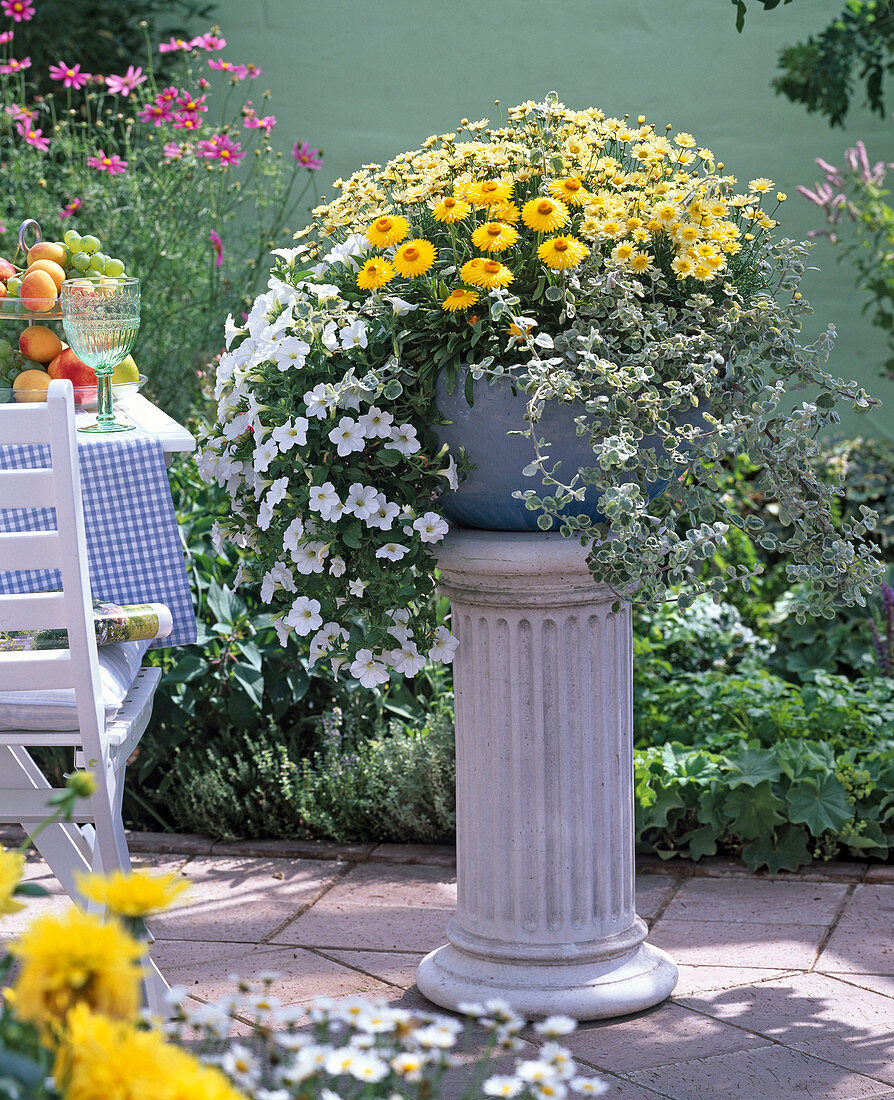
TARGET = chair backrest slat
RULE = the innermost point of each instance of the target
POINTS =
(27, 489)
(31, 550)
(36, 669)
(30, 424)
(40, 610)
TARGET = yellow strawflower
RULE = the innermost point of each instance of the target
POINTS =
(505, 212)
(132, 894)
(102, 1059)
(387, 230)
(450, 209)
(459, 299)
(562, 252)
(570, 191)
(486, 273)
(544, 215)
(12, 865)
(414, 258)
(494, 237)
(76, 959)
(375, 273)
(488, 192)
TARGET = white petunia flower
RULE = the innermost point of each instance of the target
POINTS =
(319, 401)
(330, 336)
(407, 660)
(293, 535)
(444, 648)
(276, 578)
(398, 305)
(357, 587)
(337, 566)
(323, 498)
(392, 551)
(353, 335)
(291, 353)
(265, 515)
(384, 515)
(290, 254)
(451, 474)
(403, 439)
(431, 527)
(231, 330)
(325, 638)
(264, 454)
(348, 436)
(236, 426)
(291, 433)
(369, 671)
(277, 491)
(376, 423)
(309, 557)
(362, 500)
(304, 615)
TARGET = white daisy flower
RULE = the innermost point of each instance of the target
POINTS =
(304, 616)
(431, 527)
(588, 1086)
(403, 439)
(241, 1065)
(348, 436)
(501, 1085)
(553, 1027)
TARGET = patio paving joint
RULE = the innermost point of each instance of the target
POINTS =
(674, 890)
(303, 907)
(833, 924)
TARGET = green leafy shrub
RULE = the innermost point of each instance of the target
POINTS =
(777, 807)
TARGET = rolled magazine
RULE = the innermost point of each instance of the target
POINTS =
(114, 623)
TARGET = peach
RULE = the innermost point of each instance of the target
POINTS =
(39, 343)
(31, 385)
(56, 273)
(83, 377)
(48, 250)
(7, 270)
(38, 291)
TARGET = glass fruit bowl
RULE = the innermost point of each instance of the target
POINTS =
(13, 309)
(84, 396)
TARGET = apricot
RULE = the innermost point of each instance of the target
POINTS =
(31, 385)
(39, 343)
(38, 291)
(47, 250)
(56, 273)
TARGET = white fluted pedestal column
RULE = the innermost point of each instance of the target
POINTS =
(543, 684)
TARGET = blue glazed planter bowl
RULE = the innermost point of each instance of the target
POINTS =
(484, 500)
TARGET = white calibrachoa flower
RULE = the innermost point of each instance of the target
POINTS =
(353, 335)
(264, 454)
(319, 401)
(363, 500)
(293, 432)
(309, 556)
(279, 578)
(407, 659)
(369, 669)
(304, 616)
(431, 527)
(392, 551)
(403, 439)
(348, 436)
(290, 353)
(376, 423)
(445, 645)
(323, 498)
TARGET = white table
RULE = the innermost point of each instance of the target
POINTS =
(149, 420)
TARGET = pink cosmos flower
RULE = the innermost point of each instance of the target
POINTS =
(191, 104)
(6, 36)
(174, 46)
(172, 151)
(238, 72)
(308, 158)
(22, 11)
(252, 121)
(156, 113)
(203, 83)
(208, 42)
(33, 137)
(217, 245)
(13, 66)
(113, 164)
(20, 114)
(70, 75)
(220, 147)
(187, 120)
(254, 71)
(167, 95)
(124, 85)
(70, 208)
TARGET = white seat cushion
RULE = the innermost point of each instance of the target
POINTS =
(55, 709)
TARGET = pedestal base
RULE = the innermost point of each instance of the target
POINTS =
(590, 991)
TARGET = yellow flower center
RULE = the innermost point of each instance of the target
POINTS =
(494, 230)
(457, 293)
(492, 267)
(384, 225)
(560, 245)
(545, 207)
(489, 185)
(411, 253)
(449, 203)
(572, 185)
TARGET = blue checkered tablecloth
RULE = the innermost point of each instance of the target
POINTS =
(133, 542)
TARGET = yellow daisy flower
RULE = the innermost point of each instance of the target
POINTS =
(387, 230)
(683, 266)
(640, 262)
(135, 894)
(687, 232)
(703, 271)
(494, 237)
(544, 215)
(414, 258)
(460, 298)
(488, 192)
(486, 273)
(562, 252)
(375, 272)
(505, 212)
(570, 191)
(450, 209)
(684, 140)
(12, 864)
(622, 251)
(760, 185)
(666, 213)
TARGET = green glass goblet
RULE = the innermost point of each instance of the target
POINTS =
(101, 320)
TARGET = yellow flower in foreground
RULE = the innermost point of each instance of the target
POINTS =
(76, 959)
(761, 184)
(562, 252)
(544, 215)
(488, 192)
(570, 191)
(494, 237)
(387, 230)
(486, 273)
(505, 212)
(640, 262)
(450, 209)
(375, 273)
(414, 258)
(459, 299)
(105, 1060)
(134, 894)
(12, 864)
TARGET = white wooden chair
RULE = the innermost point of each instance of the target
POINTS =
(94, 840)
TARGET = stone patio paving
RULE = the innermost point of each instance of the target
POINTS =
(786, 983)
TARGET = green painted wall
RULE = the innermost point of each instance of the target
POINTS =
(365, 79)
